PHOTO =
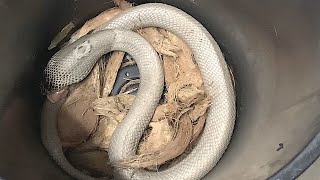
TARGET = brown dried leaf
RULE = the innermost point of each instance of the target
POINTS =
(76, 122)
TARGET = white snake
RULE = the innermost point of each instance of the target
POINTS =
(74, 62)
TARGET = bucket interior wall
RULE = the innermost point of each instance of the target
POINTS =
(273, 48)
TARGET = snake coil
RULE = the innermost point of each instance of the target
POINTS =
(74, 62)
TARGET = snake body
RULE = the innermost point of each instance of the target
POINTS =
(214, 70)
(84, 53)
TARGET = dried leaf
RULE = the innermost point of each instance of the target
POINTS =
(76, 122)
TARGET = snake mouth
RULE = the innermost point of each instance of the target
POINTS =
(58, 95)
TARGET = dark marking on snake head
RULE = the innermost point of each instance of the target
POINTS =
(82, 49)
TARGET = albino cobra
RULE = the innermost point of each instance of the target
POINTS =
(74, 62)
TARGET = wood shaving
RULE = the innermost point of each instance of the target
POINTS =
(61, 35)
(124, 89)
(162, 154)
(159, 42)
(112, 109)
(97, 21)
(113, 66)
(122, 4)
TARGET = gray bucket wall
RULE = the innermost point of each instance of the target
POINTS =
(273, 48)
